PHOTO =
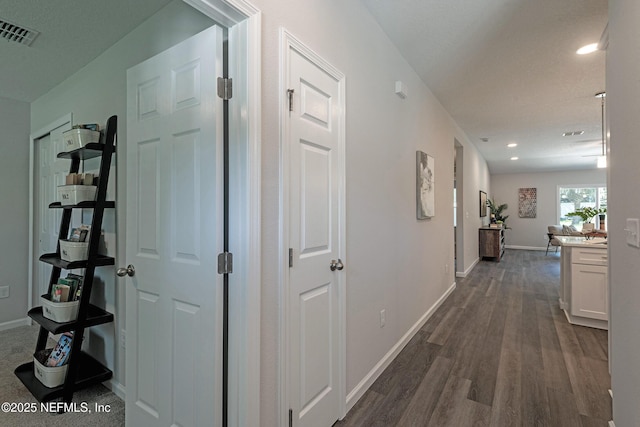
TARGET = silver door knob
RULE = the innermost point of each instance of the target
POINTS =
(129, 271)
(336, 265)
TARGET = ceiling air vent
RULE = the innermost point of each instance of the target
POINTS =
(16, 33)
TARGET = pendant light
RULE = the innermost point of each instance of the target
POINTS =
(602, 159)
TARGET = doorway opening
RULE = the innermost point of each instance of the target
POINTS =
(242, 21)
(458, 210)
(45, 174)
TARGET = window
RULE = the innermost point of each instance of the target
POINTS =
(572, 198)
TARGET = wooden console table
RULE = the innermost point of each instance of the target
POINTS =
(491, 242)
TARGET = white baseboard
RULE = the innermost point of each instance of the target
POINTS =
(611, 423)
(117, 388)
(563, 304)
(528, 248)
(585, 321)
(369, 379)
(468, 270)
(15, 323)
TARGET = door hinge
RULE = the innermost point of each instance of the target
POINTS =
(225, 88)
(225, 263)
(290, 95)
(290, 417)
(290, 257)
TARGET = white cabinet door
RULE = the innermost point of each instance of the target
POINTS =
(589, 291)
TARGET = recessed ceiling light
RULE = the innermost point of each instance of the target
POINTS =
(514, 158)
(513, 144)
(590, 48)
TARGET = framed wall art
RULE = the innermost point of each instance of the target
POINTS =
(527, 202)
(425, 185)
(483, 204)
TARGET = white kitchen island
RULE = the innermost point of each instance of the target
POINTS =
(584, 282)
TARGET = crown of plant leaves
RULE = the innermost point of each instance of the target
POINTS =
(587, 213)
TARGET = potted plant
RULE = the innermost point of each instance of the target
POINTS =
(496, 212)
(586, 214)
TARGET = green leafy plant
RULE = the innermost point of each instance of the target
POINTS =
(587, 213)
(496, 212)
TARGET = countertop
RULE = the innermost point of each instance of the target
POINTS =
(581, 242)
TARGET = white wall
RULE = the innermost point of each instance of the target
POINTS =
(532, 232)
(623, 104)
(93, 94)
(393, 261)
(14, 208)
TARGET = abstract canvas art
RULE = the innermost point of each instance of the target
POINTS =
(527, 202)
(425, 186)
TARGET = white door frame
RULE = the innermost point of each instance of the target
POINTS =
(243, 21)
(289, 41)
(66, 119)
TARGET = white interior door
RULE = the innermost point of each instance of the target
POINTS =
(50, 172)
(174, 233)
(316, 176)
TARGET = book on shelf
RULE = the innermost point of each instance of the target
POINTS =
(60, 353)
(80, 179)
(80, 234)
(60, 293)
(67, 289)
(77, 286)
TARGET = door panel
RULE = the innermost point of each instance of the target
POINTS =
(589, 291)
(315, 306)
(147, 387)
(316, 193)
(185, 179)
(314, 143)
(147, 220)
(174, 233)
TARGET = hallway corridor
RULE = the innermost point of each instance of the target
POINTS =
(498, 352)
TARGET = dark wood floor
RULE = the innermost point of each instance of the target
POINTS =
(498, 352)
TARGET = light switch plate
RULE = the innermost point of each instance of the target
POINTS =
(633, 232)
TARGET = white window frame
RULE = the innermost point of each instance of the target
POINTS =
(560, 187)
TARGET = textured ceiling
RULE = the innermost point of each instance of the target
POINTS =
(506, 70)
(72, 33)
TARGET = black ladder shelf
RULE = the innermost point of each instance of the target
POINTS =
(83, 370)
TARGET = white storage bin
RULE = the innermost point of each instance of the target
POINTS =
(49, 376)
(74, 194)
(59, 311)
(74, 251)
(78, 138)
